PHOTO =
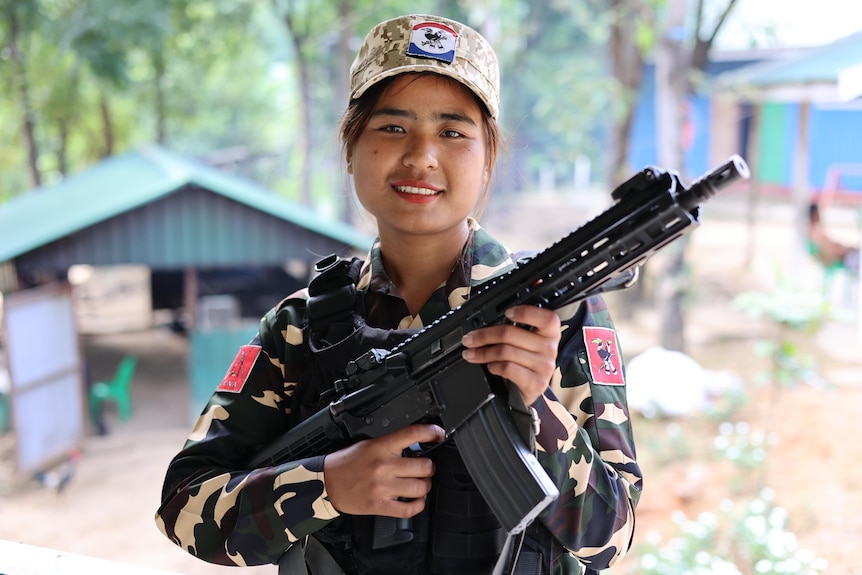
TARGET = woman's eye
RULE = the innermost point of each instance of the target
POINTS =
(452, 134)
(393, 129)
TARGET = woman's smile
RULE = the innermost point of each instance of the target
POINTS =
(417, 192)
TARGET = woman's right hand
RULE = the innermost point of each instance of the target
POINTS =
(372, 477)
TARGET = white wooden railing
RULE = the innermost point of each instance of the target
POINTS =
(21, 559)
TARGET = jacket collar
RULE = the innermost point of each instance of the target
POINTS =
(483, 258)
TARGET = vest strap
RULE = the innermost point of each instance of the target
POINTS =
(308, 557)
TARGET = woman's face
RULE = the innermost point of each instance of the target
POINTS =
(420, 164)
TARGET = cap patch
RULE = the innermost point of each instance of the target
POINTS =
(237, 373)
(603, 355)
(433, 40)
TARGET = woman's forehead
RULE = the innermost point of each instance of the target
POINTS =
(408, 86)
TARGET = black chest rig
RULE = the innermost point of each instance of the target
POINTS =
(457, 533)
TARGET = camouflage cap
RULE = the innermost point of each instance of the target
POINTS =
(421, 43)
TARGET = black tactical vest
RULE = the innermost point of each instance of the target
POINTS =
(457, 532)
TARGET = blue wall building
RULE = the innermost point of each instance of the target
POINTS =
(834, 129)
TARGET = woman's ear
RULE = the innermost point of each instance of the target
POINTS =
(348, 157)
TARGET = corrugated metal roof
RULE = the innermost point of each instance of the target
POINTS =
(124, 183)
(813, 74)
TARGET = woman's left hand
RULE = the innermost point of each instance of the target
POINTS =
(526, 357)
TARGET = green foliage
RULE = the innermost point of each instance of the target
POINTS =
(670, 446)
(792, 313)
(103, 76)
(749, 534)
(102, 34)
(749, 537)
(762, 540)
(790, 365)
(204, 75)
(691, 552)
(556, 86)
(740, 537)
(795, 309)
(645, 36)
(732, 399)
(742, 446)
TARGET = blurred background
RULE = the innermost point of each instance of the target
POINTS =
(170, 169)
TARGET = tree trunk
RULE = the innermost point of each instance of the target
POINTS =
(20, 78)
(754, 185)
(514, 172)
(304, 78)
(344, 59)
(63, 147)
(671, 68)
(107, 126)
(627, 65)
(160, 103)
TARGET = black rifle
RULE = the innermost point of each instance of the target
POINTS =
(425, 376)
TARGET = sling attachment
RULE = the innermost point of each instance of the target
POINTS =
(333, 315)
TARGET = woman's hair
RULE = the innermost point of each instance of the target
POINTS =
(813, 212)
(359, 111)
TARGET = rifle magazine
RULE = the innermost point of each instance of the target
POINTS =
(505, 470)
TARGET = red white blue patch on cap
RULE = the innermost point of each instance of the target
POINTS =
(237, 373)
(603, 355)
(433, 40)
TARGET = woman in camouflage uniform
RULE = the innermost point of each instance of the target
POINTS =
(420, 140)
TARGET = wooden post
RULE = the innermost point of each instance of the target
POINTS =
(190, 296)
(801, 193)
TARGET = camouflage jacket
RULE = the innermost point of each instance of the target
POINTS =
(221, 512)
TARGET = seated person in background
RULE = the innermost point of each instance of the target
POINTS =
(826, 250)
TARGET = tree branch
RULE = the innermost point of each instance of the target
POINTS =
(702, 47)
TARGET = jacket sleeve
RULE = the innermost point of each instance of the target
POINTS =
(587, 445)
(212, 505)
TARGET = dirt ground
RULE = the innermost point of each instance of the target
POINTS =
(106, 510)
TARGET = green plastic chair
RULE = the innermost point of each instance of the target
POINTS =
(117, 390)
(5, 414)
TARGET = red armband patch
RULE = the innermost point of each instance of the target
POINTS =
(237, 373)
(603, 355)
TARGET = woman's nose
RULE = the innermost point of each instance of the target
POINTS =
(420, 153)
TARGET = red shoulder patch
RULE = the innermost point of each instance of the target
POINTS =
(237, 373)
(603, 355)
